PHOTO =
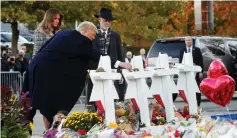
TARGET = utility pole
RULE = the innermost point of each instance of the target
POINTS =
(210, 15)
(204, 16)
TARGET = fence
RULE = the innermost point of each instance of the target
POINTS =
(13, 80)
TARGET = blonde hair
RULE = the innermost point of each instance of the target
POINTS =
(46, 24)
(84, 26)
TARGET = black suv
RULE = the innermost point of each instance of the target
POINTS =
(212, 48)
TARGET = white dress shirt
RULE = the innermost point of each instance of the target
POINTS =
(191, 48)
(116, 65)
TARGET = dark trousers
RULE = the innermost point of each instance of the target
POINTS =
(198, 95)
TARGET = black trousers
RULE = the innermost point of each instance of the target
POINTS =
(198, 95)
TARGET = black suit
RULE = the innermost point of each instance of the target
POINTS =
(114, 51)
(197, 60)
(58, 72)
(116, 54)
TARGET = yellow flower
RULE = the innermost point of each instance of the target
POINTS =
(113, 125)
(31, 126)
(201, 129)
(147, 137)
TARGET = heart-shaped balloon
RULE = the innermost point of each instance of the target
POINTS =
(216, 69)
(218, 90)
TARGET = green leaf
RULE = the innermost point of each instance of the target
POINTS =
(182, 124)
(189, 124)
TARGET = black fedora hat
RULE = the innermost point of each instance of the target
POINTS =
(105, 13)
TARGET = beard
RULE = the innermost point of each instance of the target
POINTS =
(104, 27)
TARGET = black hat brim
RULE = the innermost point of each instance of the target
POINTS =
(97, 16)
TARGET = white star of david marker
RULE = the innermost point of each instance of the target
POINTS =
(163, 84)
(104, 89)
(187, 82)
(137, 88)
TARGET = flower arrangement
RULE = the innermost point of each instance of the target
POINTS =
(158, 115)
(82, 121)
(12, 115)
(127, 116)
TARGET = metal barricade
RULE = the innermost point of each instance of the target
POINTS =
(82, 98)
(12, 80)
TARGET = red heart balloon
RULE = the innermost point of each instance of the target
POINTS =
(219, 90)
(216, 69)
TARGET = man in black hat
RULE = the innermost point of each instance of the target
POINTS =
(109, 43)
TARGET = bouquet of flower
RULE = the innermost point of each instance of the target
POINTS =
(12, 113)
(82, 122)
(127, 116)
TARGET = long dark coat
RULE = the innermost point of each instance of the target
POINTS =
(57, 73)
(114, 51)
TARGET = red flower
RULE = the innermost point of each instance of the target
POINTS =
(196, 117)
(5, 91)
(163, 115)
(81, 131)
(131, 132)
(187, 116)
(176, 133)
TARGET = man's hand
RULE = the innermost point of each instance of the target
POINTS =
(124, 65)
(200, 75)
(121, 80)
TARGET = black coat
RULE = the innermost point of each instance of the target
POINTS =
(197, 59)
(23, 65)
(114, 51)
(4, 65)
(57, 73)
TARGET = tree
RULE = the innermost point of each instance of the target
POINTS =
(225, 19)
(135, 20)
(15, 11)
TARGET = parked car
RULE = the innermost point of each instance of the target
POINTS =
(28, 37)
(6, 40)
(212, 48)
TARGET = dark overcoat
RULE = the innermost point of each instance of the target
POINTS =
(57, 73)
(114, 50)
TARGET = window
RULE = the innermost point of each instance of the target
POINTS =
(8, 37)
(212, 46)
(2, 39)
(172, 48)
(233, 47)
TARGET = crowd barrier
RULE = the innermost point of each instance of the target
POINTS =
(13, 80)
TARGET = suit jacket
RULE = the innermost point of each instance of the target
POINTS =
(197, 59)
(58, 72)
(114, 51)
